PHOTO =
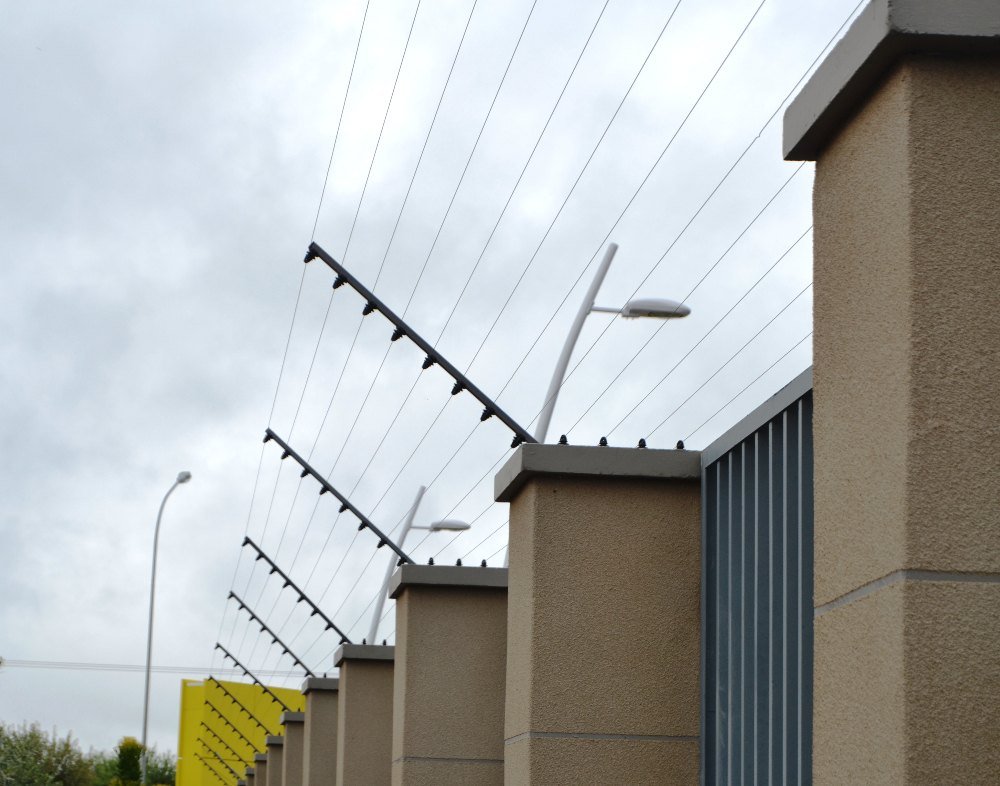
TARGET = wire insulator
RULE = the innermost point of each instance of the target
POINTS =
(397, 334)
(642, 444)
(368, 309)
(338, 282)
(428, 362)
(487, 414)
(563, 440)
(457, 388)
(604, 442)
(680, 444)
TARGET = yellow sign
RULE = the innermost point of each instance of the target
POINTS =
(222, 725)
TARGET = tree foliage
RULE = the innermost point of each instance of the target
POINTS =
(30, 757)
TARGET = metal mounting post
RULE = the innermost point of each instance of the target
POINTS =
(227, 654)
(271, 633)
(302, 596)
(344, 501)
(462, 382)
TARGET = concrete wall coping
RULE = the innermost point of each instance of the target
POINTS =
(260, 757)
(291, 717)
(467, 576)
(320, 683)
(241, 782)
(883, 32)
(533, 459)
(274, 739)
(249, 771)
(363, 652)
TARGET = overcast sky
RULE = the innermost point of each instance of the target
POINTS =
(161, 171)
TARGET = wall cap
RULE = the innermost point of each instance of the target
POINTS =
(249, 771)
(291, 717)
(260, 757)
(533, 459)
(469, 576)
(274, 739)
(363, 652)
(320, 683)
(883, 32)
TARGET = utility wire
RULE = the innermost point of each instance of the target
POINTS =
(733, 357)
(753, 382)
(709, 332)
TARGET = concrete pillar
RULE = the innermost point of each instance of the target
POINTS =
(448, 699)
(275, 759)
(903, 121)
(319, 747)
(291, 768)
(603, 632)
(364, 715)
(249, 775)
(241, 782)
(260, 769)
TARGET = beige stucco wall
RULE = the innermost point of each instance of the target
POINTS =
(260, 772)
(603, 630)
(275, 764)
(449, 685)
(364, 723)
(907, 357)
(907, 475)
(291, 773)
(319, 748)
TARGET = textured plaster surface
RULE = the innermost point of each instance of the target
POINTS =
(451, 655)
(275, 764)
(260, 772)
(907, 333)
(364, 723)
(907, 682)
(425, 772)
(291, 773)
(569, 762)
(319, 747)
(603, 627)
(249, 778)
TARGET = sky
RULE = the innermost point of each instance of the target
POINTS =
(164, 170)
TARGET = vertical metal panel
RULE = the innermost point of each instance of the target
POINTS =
(757, 597)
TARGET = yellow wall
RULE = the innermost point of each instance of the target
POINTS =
(195, 711)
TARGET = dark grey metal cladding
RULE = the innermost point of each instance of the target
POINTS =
(757, 596)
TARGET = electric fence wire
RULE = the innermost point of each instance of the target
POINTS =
(319, 338)
(751, 383)
(736, 354)
(710, 331)
(319, 208)
(399, 217)
(496, 95)
(644, 181)
(493, 232)
(738, 160)
(493, 468)
(687, 297)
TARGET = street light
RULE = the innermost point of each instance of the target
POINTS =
(640, 307)
(445, 525)
(182, 477)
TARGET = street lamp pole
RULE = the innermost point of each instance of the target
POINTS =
(182, 477)
(641, 307)
(542, 429)
(447, 525)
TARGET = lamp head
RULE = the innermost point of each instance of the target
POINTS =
(658, 308)
(449, 525)
(183, 477)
